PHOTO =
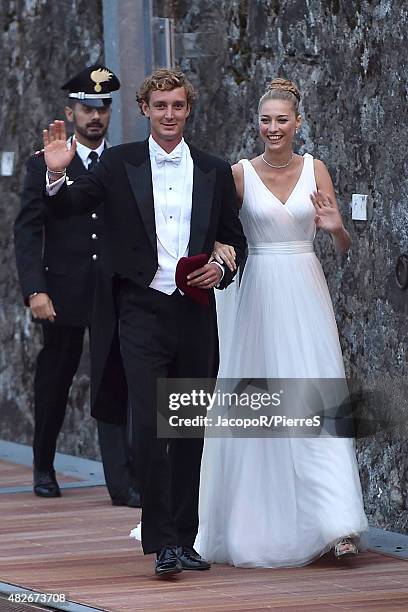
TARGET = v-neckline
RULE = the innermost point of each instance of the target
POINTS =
(284, 204)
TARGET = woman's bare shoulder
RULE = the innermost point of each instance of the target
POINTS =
(319, 166)
(238, 174)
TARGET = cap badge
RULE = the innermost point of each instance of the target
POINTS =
(100, 76)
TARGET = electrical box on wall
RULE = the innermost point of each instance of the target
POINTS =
(7, 163)
(359, 207)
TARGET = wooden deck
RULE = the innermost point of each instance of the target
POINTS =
(78, 545)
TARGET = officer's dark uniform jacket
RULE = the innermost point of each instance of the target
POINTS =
(57, 256)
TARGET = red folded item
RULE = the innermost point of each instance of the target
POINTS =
(185, 266)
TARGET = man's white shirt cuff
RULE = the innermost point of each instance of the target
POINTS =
(55, 186)
(222, 270)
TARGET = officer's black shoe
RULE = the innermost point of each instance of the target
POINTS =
(167, 562)
(45, 483)
(132, 499)
(190, 559)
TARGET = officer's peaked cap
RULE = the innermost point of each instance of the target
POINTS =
(93, 86)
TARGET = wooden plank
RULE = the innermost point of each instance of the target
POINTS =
(79, 545)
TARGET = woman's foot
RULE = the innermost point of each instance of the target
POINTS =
(345, 548)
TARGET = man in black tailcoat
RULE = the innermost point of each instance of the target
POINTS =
(57, 261)
(164, 199)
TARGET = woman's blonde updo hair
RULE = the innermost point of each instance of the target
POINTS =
(282, 89)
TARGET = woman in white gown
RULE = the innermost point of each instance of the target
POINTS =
(281, 502)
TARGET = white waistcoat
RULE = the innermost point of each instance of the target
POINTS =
(172, 195)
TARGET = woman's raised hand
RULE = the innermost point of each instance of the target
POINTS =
(328, 216)
(57, 155)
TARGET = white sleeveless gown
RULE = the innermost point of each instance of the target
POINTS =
(279, 502)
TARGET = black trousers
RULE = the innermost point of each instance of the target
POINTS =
(57, 364)
(164, 336)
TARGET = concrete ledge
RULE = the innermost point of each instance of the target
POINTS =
(86, 469)
(388, 543)
(89, 472)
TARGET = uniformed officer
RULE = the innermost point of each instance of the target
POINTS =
(57, 261)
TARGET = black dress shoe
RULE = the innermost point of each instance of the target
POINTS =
(45, 483)
(190, 559)
(167, 562)
(132, 499)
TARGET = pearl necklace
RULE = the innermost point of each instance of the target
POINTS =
(277, 165)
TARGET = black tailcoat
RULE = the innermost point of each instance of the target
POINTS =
(123, 181)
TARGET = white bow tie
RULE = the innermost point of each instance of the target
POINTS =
(172, 158)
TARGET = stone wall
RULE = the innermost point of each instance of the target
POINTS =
(42, 44)
(346, 59)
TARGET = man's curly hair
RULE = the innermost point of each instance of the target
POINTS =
(164, 80)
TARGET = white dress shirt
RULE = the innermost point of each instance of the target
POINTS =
(172, 177)
(84, 152)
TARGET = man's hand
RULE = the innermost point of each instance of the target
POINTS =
(56, 153)
(206, 277)
(42, 307)
(224, 253)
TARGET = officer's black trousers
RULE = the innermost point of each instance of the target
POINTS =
(57, 364)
